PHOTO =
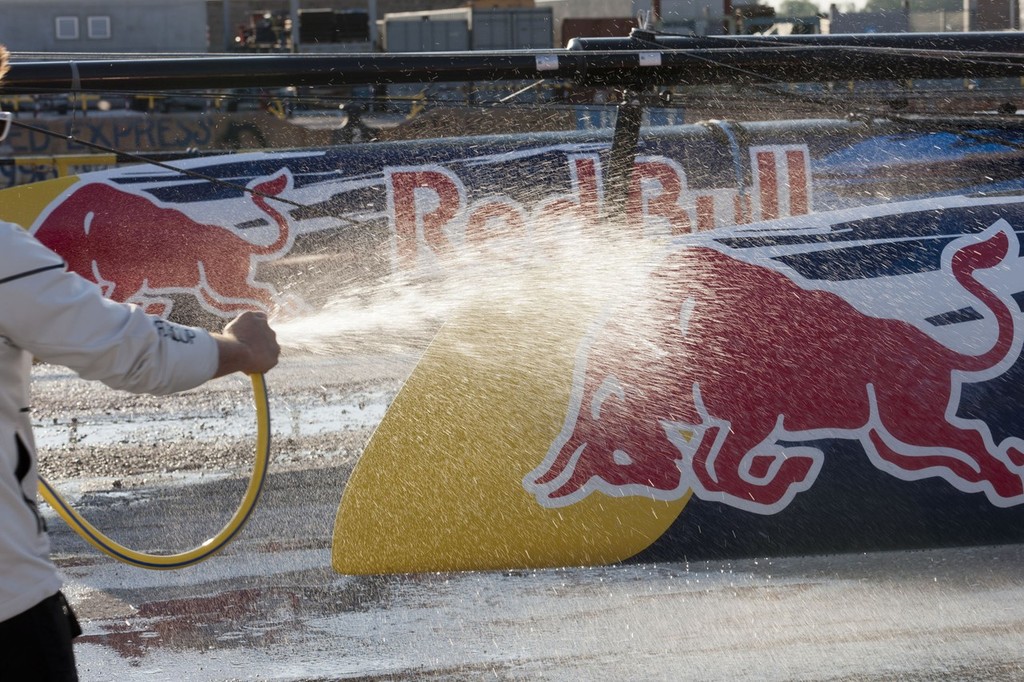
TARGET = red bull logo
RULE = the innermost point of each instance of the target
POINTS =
(718, 380)
(431, 213)
(142, 251)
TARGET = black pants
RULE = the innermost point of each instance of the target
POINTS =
(36, 644)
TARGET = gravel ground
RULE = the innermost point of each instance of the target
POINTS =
(211, 428)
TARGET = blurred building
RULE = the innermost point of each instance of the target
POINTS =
(896, 21)
(190, 26)
(991, 15)
(975, 15)
(104, 26)
(701, 17)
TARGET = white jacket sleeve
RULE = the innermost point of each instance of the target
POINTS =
(63, 319)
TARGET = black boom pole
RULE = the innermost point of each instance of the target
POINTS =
(645, 63)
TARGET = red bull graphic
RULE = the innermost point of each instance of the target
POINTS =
(431, 197)
(147, 235)
(142, 251)
(431, 212)
(718, 378)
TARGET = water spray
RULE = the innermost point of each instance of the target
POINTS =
(208, 548)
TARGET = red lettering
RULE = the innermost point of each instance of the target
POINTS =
(557, 210)
(494, 219)
(768, 181)
(664, 204)
(428, 204)
(585, 184)
(797, 172)
(412, 220)
(705, 212)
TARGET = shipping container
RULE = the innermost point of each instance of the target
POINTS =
(351, 26)
(316, 26)
(512, 29)
(425, 34)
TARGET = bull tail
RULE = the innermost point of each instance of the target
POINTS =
(260, 196)
(965, 262)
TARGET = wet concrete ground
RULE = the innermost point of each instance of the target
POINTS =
(269, 607)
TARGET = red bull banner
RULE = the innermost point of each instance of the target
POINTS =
(818, 354)
(818, 385)
(199, 236)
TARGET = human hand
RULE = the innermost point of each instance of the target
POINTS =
(247, 344)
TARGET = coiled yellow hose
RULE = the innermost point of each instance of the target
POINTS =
(211, 546)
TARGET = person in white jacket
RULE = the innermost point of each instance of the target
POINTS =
(58, 317)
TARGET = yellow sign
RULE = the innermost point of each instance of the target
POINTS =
(23, 204)
(440, 485)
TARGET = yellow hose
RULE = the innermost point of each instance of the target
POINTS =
(208, 548)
